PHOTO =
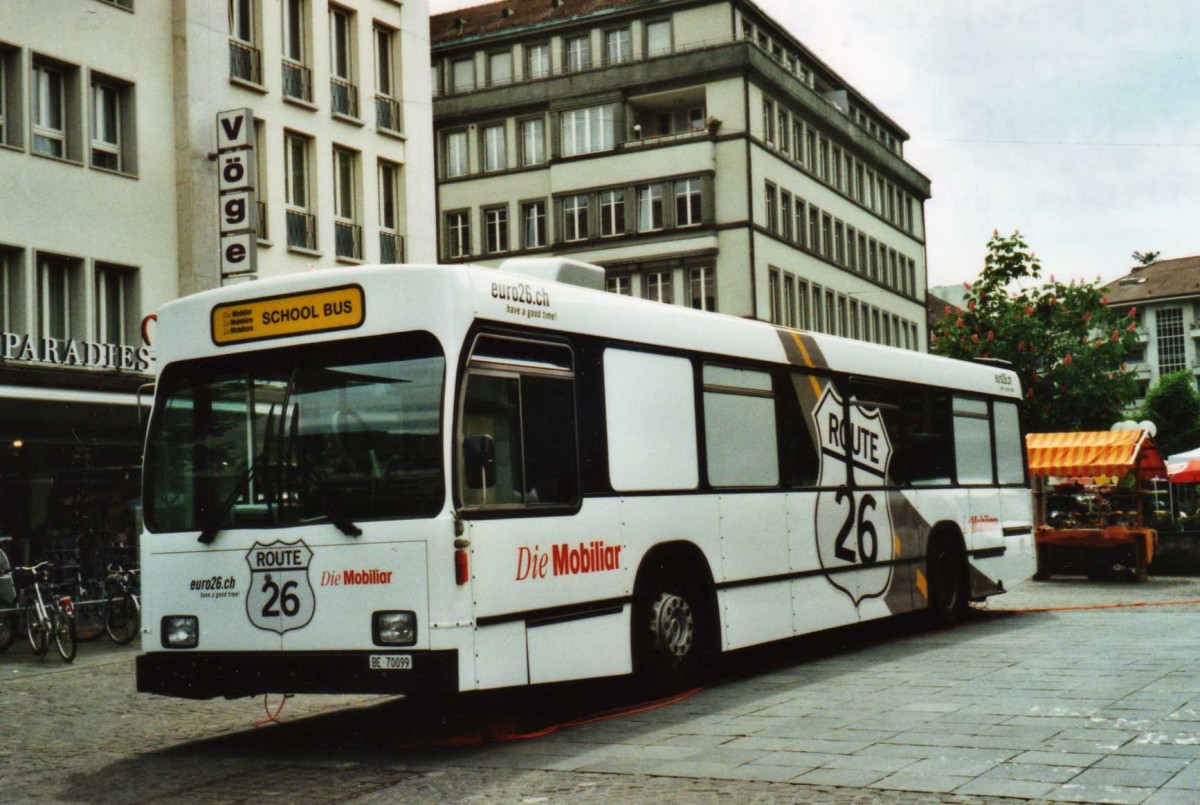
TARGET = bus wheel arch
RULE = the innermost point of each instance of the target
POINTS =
(947, 575)
(676, 621)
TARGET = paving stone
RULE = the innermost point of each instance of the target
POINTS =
(851, 778)
(932, 783)
(1108, 793)
(997, 787)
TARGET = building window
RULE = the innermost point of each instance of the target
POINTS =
(114, 303)
(301, 223)
(620, 285)
(391, 249)
(818, 320)
(768, 120)
(798, 213)
(106, 125)
(658, 37)
(789, 300)
(458, 234)
(826, 235)
(297, 78)
(617, 46)
(533, 224)
(802, 306)
(463, 75)
(347, 231)
(575, 217)
(774, 296)
(495, 230)
(814, 229)
(537, 60)
(244, 58)
(342, 85)
(533, 141)
(55, 289)
(10, 306)
(612, 213)
(688, 202)
(500, 68)
(387, 107)
(772, 200)
(785, 215)
(839, 243)
(579, 53)
(49, 104)
(703, 282)
(659, 286)
(457, 158)
(495, 148)
(1172, 354)
(650, 208)
(586, 131)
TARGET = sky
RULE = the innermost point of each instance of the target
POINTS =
(1075, 122)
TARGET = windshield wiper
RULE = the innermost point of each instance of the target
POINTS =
(321, 496)
(245, 475)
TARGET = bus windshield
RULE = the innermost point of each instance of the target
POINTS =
(341, 431)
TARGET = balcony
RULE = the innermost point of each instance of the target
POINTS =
(297, 81)
(301, 230)
(391, 247)
(347, 240)
(387, 114)
(344, 96)
(245, 62)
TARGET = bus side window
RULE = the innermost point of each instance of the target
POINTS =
(1010, 447)
(797, 428)
(972, 441)
(927, 438)
(739, 428)
(518, 425)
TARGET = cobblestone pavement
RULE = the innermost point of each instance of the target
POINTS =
(1017, 704)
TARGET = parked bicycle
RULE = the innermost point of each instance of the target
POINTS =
(123, 607)
(48, 616)
(88, 597)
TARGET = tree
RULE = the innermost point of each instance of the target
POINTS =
(1146, 258)
(1174, 406)
(1065, 343)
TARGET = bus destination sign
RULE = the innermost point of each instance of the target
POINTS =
(340, 308)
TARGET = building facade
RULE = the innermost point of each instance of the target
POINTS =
(107, 158)
(695, 149)
(1166, 296)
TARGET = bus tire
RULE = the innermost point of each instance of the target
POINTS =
(672, 631)
(946, 575)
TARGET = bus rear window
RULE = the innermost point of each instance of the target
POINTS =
(284, 437)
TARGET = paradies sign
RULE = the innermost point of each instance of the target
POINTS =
(340, 308)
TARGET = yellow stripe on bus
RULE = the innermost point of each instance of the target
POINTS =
(807, 362)
(922, 585)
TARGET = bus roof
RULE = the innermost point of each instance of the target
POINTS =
(446, 300)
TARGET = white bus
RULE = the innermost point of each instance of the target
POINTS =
(399, 479)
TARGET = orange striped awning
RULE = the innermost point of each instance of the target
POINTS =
(1110, 453)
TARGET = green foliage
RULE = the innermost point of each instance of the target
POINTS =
(1174, 406)
(1065, 343)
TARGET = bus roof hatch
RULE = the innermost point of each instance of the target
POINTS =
(557, 269)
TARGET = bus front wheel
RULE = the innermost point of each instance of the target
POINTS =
(946, 575)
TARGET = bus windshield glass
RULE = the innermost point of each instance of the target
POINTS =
(339, 431)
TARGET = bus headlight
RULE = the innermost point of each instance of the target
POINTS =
(394, 628)
(180, 631)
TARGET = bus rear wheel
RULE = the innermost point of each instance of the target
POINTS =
(671, 633)
(946, 575)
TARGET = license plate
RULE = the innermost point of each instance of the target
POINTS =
(390, 662)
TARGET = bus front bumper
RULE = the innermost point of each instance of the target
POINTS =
(233, 674)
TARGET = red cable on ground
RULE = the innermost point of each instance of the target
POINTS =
(271, 717)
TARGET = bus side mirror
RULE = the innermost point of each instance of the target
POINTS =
(479, 461)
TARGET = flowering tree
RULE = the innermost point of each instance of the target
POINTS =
(1066, 345)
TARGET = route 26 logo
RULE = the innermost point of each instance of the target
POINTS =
(853, 526)
(280, 598)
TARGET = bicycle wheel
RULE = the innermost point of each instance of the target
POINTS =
(120, 619)
(36, 629)
(63, 626)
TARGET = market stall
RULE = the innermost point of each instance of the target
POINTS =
(1092, 490)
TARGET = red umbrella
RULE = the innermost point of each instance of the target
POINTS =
(1184, 472)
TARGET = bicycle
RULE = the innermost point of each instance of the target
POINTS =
(88, 597)
(46, 615)
(123, 608)
(10, 621)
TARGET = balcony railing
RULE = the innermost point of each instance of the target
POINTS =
(301, 230)
(262, 220)
(391, 247)
(347, 239)
(245, 62)
(345, 97)
(297, 81)
(387, 113)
